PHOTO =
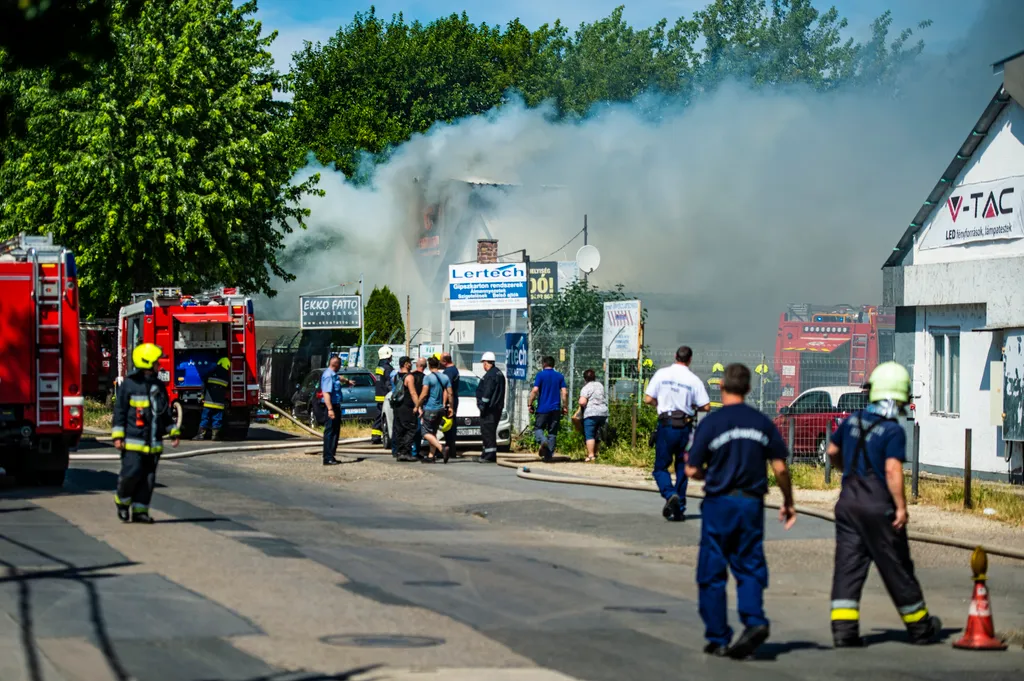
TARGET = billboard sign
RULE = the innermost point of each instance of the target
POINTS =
(487, 286)
(330, 312)
(543, 282)
(981, 212)
(621, 332)
(516, 356)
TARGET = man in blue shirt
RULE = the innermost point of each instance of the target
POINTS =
(434, 404)
(731, 451)
(871, 514)
(552, 397)
(330, 388)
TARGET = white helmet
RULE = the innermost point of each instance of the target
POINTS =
(385, 353)
(488, 357)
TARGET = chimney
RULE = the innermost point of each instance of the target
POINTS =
(487, 250)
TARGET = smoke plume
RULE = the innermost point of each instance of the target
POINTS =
(736, 205)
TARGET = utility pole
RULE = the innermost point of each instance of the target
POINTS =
(362, 324)
(585, 235)
(408, 325)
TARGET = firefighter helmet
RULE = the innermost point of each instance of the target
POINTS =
(890, 381)
(717, 368)
(224, 363)
(144, 356)
(648, 363)
(385, 353)
(446, 423)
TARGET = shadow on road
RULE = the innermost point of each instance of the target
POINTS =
(82, 575)
(769, 652)
(316, 676)
(900, 636)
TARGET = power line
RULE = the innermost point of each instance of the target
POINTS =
(563, 245)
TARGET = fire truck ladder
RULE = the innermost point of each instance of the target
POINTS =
(48, 292)
(238, 333)
(859, 359)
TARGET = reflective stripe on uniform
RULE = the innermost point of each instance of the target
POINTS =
(121, 502)
(379, 398)
(380, 371)
(117, 433)
(140, 508)
(133, 445)
(138, 401)
(213, 405)
(374, 431)
(913, 613)
(175, 432)
(217, 381)
(490, 450)
(844, 609)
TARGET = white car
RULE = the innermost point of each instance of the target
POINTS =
(467, 420)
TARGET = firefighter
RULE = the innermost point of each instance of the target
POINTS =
(382, 387)
(215, 399)
(141, 417)
(871, 514)
(490, 400)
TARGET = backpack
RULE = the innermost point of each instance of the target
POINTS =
(397, 395)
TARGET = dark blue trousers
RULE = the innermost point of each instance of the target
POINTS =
(214, 415)
(332, 428)
(670, 445)
(731, 536)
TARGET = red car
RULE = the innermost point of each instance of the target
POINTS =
(815, 414)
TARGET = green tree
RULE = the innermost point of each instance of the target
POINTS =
(383, 317)
(169, 164)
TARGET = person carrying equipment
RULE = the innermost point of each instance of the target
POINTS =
(382, 386)
(871, 514)
(215, 397)
(141, 418)
(730, 451)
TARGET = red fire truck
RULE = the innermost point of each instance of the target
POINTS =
(830, 346)
(195, 332)
(99, 366)
(41, 399)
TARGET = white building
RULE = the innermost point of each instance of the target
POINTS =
(957, 281)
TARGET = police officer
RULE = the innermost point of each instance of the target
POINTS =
(382, 387)
(871, 514)
(678, 395)
(142, 416)
(729, 452)
(330, 388)
(215, 398)
(490, 400)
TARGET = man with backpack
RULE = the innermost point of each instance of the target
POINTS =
(435, 402)
(403, 409)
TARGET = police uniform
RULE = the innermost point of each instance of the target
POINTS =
(733, 446)
(141, 418)
(215, 399)
(679, 394)
(490, 400)
(330, 384)
(864, 518)
(381, 389)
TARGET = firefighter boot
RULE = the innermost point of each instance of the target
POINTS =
(122, 509)
(928, 630)
(204, 434)
(140, 514)
(217, 434)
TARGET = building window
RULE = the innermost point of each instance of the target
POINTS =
(946, 372)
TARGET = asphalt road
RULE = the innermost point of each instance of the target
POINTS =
(273, 567)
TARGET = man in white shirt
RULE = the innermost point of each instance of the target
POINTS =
(678, 395)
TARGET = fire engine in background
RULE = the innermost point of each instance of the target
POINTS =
(195, 332)
(41, 401)
(830, 346)
(99, 366)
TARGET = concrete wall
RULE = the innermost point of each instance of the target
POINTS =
(942, 435)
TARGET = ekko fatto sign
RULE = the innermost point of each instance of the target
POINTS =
(330, 312)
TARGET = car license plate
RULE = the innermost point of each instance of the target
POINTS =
(469, 432)
(164, 376)
(353, 411)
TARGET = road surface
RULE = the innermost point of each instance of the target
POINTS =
(273, 567)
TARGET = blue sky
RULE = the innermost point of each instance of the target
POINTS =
(318, 20)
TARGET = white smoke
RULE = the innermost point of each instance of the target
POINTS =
(740, 203)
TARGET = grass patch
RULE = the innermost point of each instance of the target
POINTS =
(97, 414)
(349, 429)
(807, 476)
(948, 493)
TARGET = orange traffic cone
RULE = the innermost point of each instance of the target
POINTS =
(980, 633)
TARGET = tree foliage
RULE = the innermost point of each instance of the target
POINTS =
(377, 82)
(383, 317)
(167, 164)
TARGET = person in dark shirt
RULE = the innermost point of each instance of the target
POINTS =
(452, 436)
(871, 514)
(730, 452)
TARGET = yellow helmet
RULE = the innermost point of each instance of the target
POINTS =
(648, 362)
(446, 423)
(144, 356)
(717, 368)
(224, 363)
(890, 381)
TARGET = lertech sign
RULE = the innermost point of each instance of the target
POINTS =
(973, 213)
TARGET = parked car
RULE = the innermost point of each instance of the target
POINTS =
(814, 414)
(357, 397)
(468, 418)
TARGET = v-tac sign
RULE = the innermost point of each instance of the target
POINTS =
(487, 286)
(330, 312)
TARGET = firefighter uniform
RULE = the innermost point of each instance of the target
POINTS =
(215, 400)
(141, 418)
(490, 400)
(381, 389)
(865, 512)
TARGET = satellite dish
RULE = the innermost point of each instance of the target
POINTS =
(588, 258)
